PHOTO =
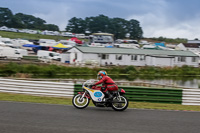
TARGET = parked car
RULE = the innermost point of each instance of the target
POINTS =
(49, 54)
(10, 53)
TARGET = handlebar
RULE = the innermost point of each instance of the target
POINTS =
(88, 82)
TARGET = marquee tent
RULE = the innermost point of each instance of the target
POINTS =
(76, 40)
(60, 46)
(31, 45)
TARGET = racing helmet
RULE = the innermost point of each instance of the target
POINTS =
(101, 74)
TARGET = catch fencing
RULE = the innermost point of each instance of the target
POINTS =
(133, 93)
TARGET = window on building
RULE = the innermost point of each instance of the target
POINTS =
(118, 57)
(181, 59)
(142, 57)
(134, 57)
(76, 56)
(104, 56)
(194, 59)
(51, 54)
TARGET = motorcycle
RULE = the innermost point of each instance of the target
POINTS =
(81, 100)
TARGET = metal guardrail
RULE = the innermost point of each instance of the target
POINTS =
(41, 88)
(191, 97)
(120, 83)
(152, 94)
(134, 93)
(148, 94)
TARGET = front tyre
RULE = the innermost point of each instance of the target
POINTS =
(78, 103)
(119, 103)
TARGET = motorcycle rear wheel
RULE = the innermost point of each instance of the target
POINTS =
(80, 104)
(119, 103)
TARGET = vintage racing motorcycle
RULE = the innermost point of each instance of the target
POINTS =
(81, 100)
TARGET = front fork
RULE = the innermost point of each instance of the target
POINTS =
(83, 95)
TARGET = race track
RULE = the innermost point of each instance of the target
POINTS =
(46, 118)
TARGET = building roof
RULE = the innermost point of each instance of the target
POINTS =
(194, 41)
(105, 34)
(102, 50)
(191, 45)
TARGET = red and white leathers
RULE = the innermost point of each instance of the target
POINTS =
(108, 83)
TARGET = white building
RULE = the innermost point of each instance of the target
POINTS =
(135, 57)
(194, 47)
(101, 40)
(80, 36)
(193, 41)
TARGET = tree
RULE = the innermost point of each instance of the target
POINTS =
(30, 21)
(117, 26)
(134, 29)
(16, 23)
(76, 25)
(5, 17)
(100, 23)
(21, 20)
(51, 27)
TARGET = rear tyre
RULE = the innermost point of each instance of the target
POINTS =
(119, 103)
(78, 103)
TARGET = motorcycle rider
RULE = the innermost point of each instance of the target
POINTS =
(107, 84)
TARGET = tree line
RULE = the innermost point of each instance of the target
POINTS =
(24, 21)
(121, 28)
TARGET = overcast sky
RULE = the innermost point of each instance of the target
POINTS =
(167, 18)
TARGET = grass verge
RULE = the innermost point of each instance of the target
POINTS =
(14, 35)
(68, 101)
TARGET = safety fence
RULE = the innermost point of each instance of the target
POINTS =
(40, 88)
(147, 94)
(158, 95)
(191, 97)
(133, 93)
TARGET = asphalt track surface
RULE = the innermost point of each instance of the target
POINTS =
(46, 118)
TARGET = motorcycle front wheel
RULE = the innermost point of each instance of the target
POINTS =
(119, 103)
(80, 103)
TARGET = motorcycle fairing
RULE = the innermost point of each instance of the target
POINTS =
(96, 95)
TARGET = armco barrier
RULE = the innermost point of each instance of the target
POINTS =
(191, 97)
(150, 94)
(133, 93)
(41, 88)
(147, 94)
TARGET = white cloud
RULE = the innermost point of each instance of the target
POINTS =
(167, 18)
(57, 16)
(53, 12)
(162, 20)
(158, 24)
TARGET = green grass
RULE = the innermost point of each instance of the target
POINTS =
(68, 101)
(14, 35)
(34, 99)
